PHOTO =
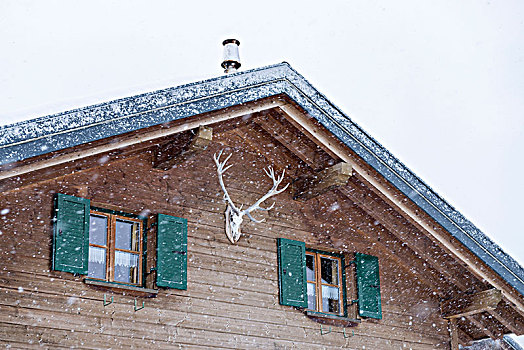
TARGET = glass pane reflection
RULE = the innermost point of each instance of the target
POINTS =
(98, 230)
(329, 270)
(310, 268)
(126, 267)
(97, 263)
(330, 299)
(127, 235)
(311, 296)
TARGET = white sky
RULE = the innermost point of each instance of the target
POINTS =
(438, 83)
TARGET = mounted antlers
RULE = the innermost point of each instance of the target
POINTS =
(233, 214)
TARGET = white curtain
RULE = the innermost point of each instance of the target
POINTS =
(329, 292)
(310, 289)
(126, 259)
(97, 255)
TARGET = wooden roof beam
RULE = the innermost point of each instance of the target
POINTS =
(472, 307)
(335, 176)
(393, 249)
(458, 336)
(278, 131)
(471, 304)
(464, 338)
(453, 332)
(473, 319)
(492, 323)
(184, 146)
(302, 122)
(292, 138)
(485, 326)
(383, 214)
(509, 318)
(263, 144)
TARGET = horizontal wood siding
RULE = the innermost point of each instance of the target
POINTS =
(231, 301)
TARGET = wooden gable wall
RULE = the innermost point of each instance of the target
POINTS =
(232, 295)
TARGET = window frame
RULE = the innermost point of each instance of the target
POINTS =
(318, 254)
(112, 217)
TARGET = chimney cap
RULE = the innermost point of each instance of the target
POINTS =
(231, 41)
(231, 60)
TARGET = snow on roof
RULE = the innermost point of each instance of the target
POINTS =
(63, 130)
(490, 344)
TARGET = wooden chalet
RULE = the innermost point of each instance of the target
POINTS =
(113, 230)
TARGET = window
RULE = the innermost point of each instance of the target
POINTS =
(109, 246)
(311, 279)
(324, 283)
(315, 281)
(115, 248)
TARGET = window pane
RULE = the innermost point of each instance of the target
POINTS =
(330, 299)
(310, 268)
(98, 230)
(97, 263)
(127, 235)
(311, 296)
(126, 267)
(329, 270)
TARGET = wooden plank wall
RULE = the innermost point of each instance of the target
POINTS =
(232, 296)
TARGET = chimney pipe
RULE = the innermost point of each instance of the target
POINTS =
(231, 57)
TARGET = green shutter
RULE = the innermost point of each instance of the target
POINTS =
(171, 252)
(368, 283)
(292, 272)
(71, 234)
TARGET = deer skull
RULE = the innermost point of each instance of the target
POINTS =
(234, 215)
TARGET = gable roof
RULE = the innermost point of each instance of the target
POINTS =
(43, 135)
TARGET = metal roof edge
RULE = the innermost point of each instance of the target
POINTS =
(512, 343)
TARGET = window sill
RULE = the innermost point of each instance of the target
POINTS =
(124, 288)
(332, 320)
